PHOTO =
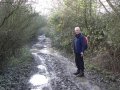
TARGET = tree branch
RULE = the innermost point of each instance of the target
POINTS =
(11, 13)
(114, 9)
(103, 6)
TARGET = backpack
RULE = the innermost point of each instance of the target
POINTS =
(85, 39)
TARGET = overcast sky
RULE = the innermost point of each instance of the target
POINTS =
(105, 4)
(44, 6)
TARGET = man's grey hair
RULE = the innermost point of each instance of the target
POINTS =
(77, 28)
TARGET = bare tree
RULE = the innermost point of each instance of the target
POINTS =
(104, 6)
(113, 8)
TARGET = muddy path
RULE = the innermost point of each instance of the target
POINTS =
(54, 71)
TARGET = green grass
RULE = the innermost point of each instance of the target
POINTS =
(25, 57)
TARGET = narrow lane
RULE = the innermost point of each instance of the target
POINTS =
(55, 72)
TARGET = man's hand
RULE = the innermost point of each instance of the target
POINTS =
(81, 54)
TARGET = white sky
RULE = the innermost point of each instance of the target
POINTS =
(45, 6)
(105, 4)
(42, 6)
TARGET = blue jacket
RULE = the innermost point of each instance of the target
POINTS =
(78, 43)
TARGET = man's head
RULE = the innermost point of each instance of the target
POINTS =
(77, 30)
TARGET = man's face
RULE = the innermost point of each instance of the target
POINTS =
(77, 31)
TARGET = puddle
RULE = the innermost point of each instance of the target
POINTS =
(34, 51)
(41, 67)
(38, 80)
(45, 51)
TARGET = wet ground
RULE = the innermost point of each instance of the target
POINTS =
(54, 71)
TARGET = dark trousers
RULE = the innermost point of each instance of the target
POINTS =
(79, 62)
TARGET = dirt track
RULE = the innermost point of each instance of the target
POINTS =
(54, 71)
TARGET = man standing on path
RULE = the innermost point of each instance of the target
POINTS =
(79, 50)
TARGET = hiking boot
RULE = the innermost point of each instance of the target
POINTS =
(78, 72)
